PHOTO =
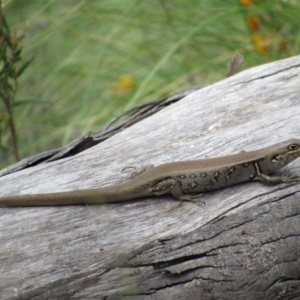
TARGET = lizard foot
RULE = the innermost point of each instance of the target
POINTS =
(290, 178)
(192, 198)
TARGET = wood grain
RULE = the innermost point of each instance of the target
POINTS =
(244, 241)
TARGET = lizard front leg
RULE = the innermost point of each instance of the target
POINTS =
(275, 179)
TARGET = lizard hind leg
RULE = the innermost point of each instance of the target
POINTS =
(171, 186)
(138, 170)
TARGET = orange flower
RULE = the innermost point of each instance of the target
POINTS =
(261, 45)
(247, 2)
(253, 22)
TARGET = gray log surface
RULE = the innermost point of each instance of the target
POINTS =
(243, 244)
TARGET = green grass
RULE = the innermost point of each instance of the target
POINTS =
(82, 48)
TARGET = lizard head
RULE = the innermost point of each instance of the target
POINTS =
(280, 155)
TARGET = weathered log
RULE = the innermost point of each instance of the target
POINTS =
(242, 244)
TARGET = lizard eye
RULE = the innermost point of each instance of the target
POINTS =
(293, 147)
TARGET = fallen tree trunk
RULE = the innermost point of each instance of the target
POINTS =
(244, 243)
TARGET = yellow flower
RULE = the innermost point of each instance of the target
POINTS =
(124, 84)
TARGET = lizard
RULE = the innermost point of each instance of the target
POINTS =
(185, 180)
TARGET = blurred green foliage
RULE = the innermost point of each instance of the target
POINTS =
(11, 68)
(94, 59)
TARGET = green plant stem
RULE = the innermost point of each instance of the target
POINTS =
(7, 103)
(11, 126)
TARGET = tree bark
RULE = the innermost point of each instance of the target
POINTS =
(242, 244)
